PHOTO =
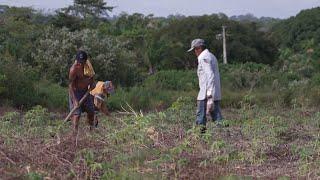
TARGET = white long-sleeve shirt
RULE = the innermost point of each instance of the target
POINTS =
(209, 76)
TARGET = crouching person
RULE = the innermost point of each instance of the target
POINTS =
(100, 92)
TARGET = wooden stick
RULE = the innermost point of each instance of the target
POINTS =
(10, 160)
(75, 108)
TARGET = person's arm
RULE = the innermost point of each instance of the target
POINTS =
(92, 84)
(208, 69)
(105, 110)
(100, 105)
(72, 86)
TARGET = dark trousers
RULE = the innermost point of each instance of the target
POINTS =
(201, 112)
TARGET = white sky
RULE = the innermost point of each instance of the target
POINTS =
(271, 8)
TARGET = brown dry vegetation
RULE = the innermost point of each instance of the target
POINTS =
(255, 142)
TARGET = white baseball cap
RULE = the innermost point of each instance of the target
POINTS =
(196, 43)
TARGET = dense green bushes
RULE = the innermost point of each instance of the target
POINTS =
(157, 92)
(22, 87)
(18, 83)
(142, 98)
(52, 95)
(294, 82)
(3, 87)
(300, 32)
(37, 51)
(245, 76)
(57, 48)
(266, 85)
(173, 80)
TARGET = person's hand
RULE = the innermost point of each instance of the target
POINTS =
(209, 105)
(92, 86)
(76, 103)
(209, 93)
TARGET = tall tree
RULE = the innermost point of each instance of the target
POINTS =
(89, 8)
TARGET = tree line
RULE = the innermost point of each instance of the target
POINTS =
(36, 45)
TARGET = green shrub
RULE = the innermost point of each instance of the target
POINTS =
(182, 102)
(314, 95)
(315, 80)
(19, 84)
(115, 100)
(11, 117)
(57, 48)
(52, 95)
(231, 98)
(22, 87)
(143, 98)
(245, 76)
(2, 84)
(34, 176)
(157, 92)
(306, 71)
(37, 116)
(173, 80)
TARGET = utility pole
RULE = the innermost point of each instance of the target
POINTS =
(224, 45)
(224, 40)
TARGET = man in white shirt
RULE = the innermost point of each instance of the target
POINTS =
(209, 83)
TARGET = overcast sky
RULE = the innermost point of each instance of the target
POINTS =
(271, 8)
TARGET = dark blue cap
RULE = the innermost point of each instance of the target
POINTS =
(81, 56)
